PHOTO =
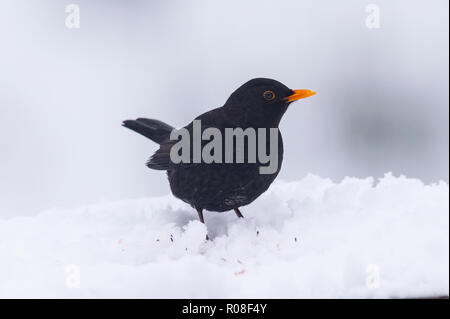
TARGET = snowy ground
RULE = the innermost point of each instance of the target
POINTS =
(306, 239)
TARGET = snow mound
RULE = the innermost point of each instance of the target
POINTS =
(305, 239)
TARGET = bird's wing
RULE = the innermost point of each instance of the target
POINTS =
(160, 160)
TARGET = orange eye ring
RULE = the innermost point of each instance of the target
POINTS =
(269, 95)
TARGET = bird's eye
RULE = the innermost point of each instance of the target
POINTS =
(268, 95)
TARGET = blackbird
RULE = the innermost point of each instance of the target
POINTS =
(219, 186)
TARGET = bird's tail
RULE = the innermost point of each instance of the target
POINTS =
(155, 130)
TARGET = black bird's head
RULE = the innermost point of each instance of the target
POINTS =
(263, 102)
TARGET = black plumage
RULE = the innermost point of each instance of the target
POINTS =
(259, 103)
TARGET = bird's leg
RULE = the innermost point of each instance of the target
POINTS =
(200, 216)
(238, 213)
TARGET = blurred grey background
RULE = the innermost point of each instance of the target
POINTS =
(382, 102)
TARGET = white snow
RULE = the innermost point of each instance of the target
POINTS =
(306, 239)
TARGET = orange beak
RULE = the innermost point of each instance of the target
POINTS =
(299, 94)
